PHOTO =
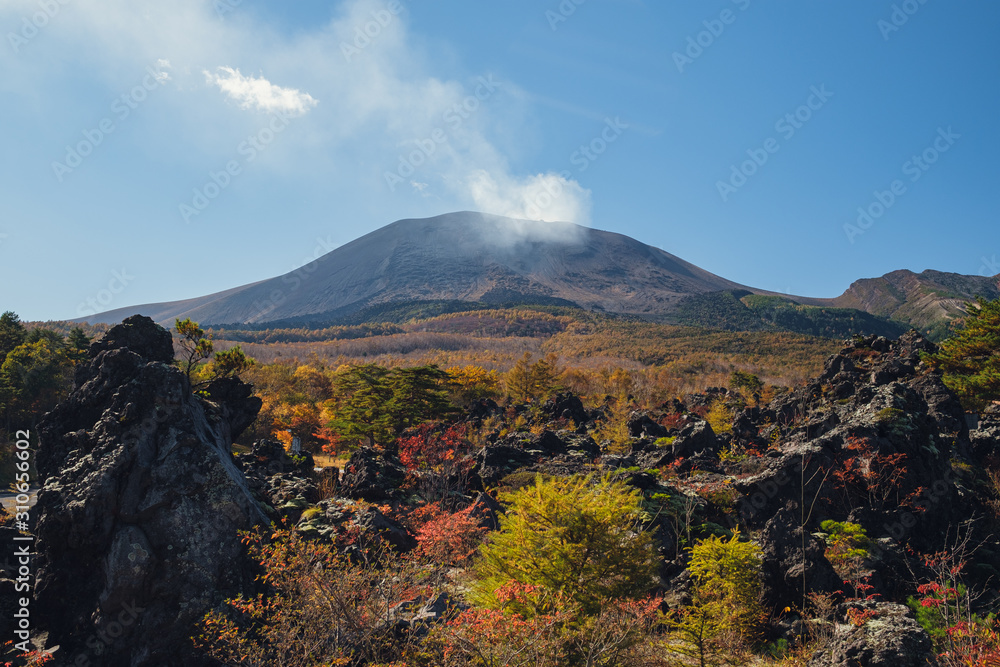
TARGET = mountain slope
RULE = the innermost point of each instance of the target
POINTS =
(460, 256)
(927, 301)
(423, 267)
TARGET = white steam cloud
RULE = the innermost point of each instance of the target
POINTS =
(549, 197)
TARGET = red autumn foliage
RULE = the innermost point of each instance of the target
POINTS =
(672, 420)
(428, 448)
(865, 474)
(450, 539)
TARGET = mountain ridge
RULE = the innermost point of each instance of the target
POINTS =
(482, 258)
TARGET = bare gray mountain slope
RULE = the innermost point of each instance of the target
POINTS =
(459, 256)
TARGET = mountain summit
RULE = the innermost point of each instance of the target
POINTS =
(461, 256)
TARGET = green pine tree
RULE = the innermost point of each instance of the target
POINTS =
(418, 394)
(12, 333)
(362, 393)
(78, 343)
(970, 360)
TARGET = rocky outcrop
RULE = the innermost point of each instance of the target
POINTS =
(496, 462)
(141, 505)
(892, 638)
(885, 425)
(788, 571)
(640, 424)
(283, 484)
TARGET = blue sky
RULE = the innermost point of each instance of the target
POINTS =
(158, 151)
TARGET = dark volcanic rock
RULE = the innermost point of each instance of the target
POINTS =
(892, 639)
(547, 442)
(139, 334)
(376, 525)
(268, 457)
(785, 571)
(640, 424)
(367, 524)
(141, 507)
(696, 439)
(236, 404)
(285, 485)
(583, 445)
(371, 475)
(568, 407)
(986, 439)
(494, 463)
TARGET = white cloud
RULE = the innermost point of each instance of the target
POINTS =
(550, 197)
(260, 93)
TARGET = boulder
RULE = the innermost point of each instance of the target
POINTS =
(547, 442)
(568, 407)
(372, 475)
(268, 457)
(364, 523)
(695, 439)
(640, 424)
(986, 437)
(785, 570)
